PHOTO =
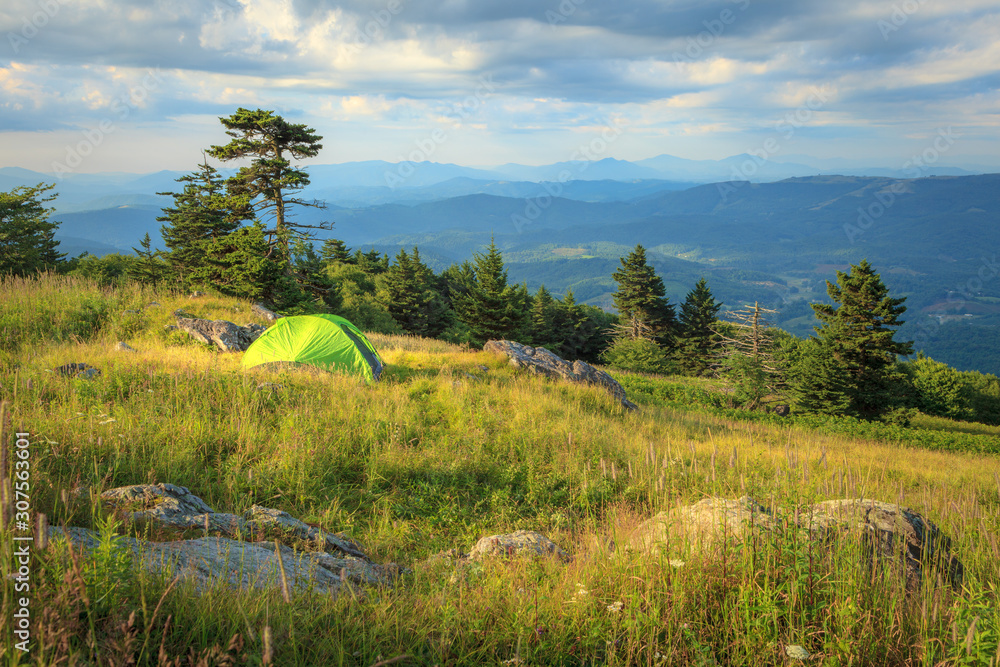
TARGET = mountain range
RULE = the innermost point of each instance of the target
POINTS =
(934, 238)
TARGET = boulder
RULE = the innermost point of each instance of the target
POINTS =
(225, 335)
(517, 544)
(540, 361)
(260, 310)
(238, 550)
(124, 347)
(196, 294)
(239, 564)
(892, 536)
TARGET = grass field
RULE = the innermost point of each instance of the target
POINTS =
(438, 454)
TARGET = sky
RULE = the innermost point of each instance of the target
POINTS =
(139, 85)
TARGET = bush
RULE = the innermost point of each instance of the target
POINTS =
(640, 355)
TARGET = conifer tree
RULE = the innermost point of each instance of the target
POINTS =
(265, 186)
(148, 269)
(697, 329)
(27, 237)
(310, 273)
(488, 309)
(543, 313)
(403, 293)
(641, 299)
(335, 250)
(856, 346)
(200, 216)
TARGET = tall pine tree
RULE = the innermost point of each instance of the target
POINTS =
(698, 340)
(267, 184)
(488, 308)
(641, 301)
(201, 216)
(856, 345)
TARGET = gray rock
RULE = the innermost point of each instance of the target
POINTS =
(225, 335)
(132, 311)
(517, 544)
(540, 361)
(892, 536)
(244, 565)
(195, 294)
(153, 304)
(180, 312)
(124, 347)
(261, 310)
(265, 522)
(164, 507)
(236, 550)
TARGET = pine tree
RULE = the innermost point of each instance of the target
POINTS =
(403, 293)
(310, 273)
(335, 250)
(200, 217)
(372, 262)
(641, 299)
(857, 339)
(488, 308)
(148, 269)
(265, 185)
(749, 359)
(543, 313)
(27, 237)
(697, 329)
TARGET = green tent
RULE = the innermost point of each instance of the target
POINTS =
(326, 341)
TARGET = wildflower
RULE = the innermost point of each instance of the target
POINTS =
(615, 607)
(107, 421)
(797, 652)
(659, 658)
(513, 661)
(676, 563)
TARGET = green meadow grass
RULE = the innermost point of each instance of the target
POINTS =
(438, 454)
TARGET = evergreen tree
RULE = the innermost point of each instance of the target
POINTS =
(641, 299)
(27, 237)
(372, 262)
(148, 269)
(404, 293)
(199, 217)
(543, 313)
(264, 186)
(243, 269)
(335, 250)
(488, 309)
(310, 273)
(696, 324)
(857, 340)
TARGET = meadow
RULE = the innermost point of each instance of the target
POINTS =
(450, 446)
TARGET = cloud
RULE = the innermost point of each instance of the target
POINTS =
(674, 68)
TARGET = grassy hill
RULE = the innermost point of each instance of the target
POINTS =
(450, 446)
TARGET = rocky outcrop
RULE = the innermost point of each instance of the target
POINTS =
(238, 550)
(122, 346)
(892, 536)
(540, 361)
(225, 335)
(260, 310)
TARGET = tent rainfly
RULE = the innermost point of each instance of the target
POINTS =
(326, 341)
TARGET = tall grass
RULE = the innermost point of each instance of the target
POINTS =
(442, 452)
